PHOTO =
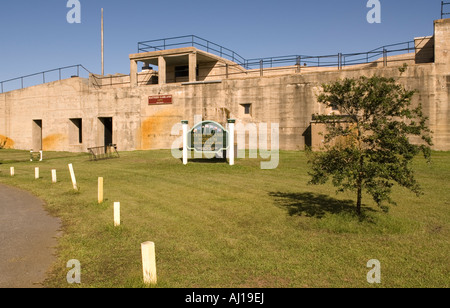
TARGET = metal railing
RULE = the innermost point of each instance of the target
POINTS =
(190, 41)
(43, 77)
(103, 152)
(443, 7)
(337, 60)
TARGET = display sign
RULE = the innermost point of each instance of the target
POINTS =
(160, 99)
(208, 137)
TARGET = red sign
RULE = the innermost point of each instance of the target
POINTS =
(160, 99)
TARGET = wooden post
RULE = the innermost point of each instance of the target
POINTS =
(100, 190)
(72, 175)
(11, 170)
(54, 179)
(116, 214)
(36, 173)
(149, 262)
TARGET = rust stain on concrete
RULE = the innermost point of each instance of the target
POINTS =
(6, 142)
(54, 142)
(156, 127)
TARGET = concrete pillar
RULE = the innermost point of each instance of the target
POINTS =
(193, 67)
(133, 73)
(162, 70)
(441, 42)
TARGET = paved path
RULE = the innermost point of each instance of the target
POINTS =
(28, 235)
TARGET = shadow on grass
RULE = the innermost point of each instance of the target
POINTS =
(317, 205)
(207, 160)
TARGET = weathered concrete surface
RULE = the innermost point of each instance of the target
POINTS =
(27, 239)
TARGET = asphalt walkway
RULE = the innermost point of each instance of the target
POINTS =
(28, 237)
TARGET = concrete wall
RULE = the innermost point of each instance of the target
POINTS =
(289, 100)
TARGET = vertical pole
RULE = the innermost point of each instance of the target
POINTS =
(261, 66)
(231, 141)
(72, 176)
(185, 142)
(100, 190)
(149, 262)
(54, 179)
(116, 214)
(103, 50)
(36, 173)
(11, 170)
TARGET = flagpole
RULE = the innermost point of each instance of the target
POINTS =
(103, 50)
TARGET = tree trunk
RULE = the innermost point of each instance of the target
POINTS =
(359, 200)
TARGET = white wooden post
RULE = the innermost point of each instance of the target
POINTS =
(149, 262)
(11, 170)
(116, 214)
(185, 142)
(231, 141)
(54, 179)
(72, 175)
(100, 190)
(36, 173)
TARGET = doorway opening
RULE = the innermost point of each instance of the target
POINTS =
(105, 131)
(36, 132)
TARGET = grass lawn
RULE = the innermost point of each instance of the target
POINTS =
(219, 226)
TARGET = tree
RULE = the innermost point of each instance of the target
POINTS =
(367, 147)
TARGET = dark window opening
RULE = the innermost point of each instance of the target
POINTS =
(247, 108)
(181, 71)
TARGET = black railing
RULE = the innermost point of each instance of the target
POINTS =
(443, 9)
(43, 77)
(190, 41)
(337, 60)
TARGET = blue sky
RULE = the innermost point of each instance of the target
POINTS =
(35, 35)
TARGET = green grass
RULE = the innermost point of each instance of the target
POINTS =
(221, 226)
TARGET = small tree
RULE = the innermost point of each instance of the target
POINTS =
(367, 147)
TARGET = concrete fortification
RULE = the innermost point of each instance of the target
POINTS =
(139, 111)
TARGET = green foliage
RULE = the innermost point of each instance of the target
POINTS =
(377, 123)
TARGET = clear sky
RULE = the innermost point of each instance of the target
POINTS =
(35, 35)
